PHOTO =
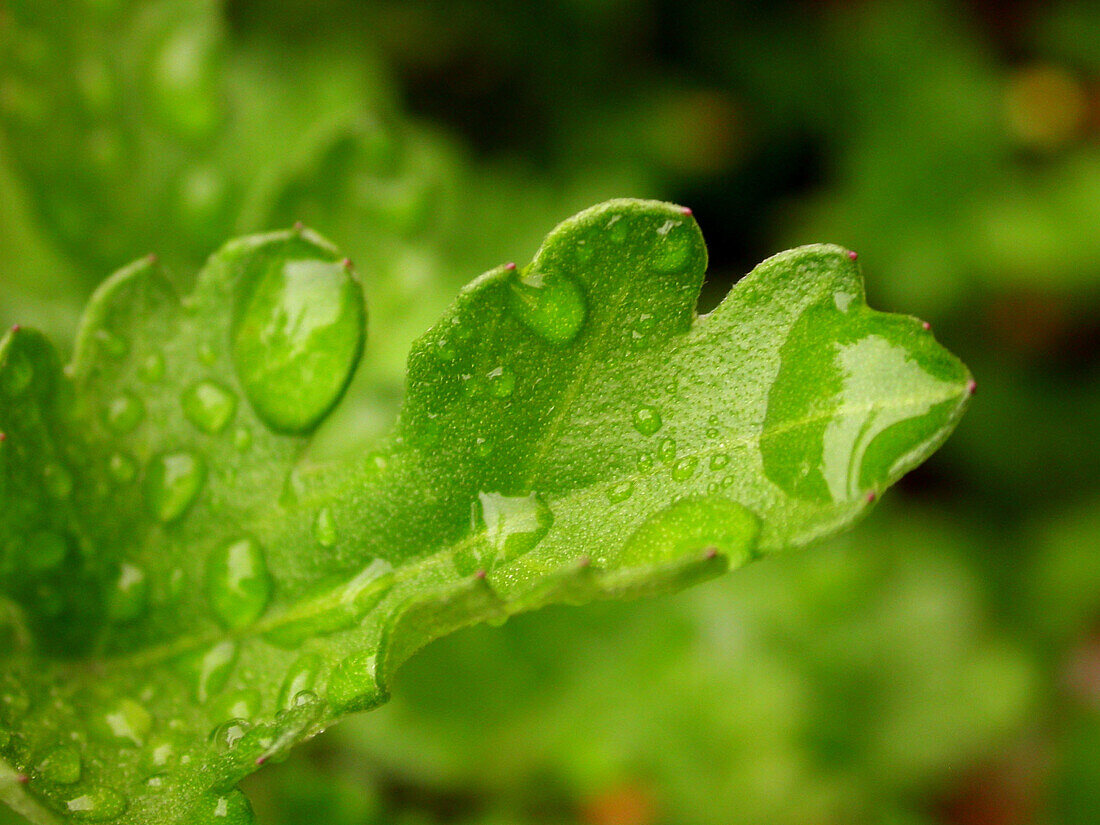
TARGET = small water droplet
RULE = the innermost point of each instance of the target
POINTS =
(97, 805)
(127, 596)
(58, 480)
(209, 406)
(301, 677)
(684, 469)
(444, 351)
(550, 305)
(129, 721)
(151, 368)
(299, 335)
(61, 765)
(513, 525)
(645, 462)
(172, 481)
(727, 481)
(238, 583)
(620, 492)
(718, 461)
(226, 735)
(673, 250)
(122, 468)
(324, 528)
(666, 451)
(692, 525)
(647, 420)
(112, 344)
(210, 669)
(712, 432)
(502, 382)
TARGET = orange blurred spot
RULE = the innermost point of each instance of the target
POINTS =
(622, 805)
(1046, 107)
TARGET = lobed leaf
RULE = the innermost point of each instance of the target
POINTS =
(186, 595)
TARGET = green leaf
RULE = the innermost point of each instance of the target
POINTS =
(187, 595)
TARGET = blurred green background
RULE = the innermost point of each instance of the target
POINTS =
(941, 664)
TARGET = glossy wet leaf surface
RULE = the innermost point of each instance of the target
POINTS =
(187, 595)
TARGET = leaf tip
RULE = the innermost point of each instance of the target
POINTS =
(852, 255)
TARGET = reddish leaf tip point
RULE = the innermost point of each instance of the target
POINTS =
(22, 778)
(3, 437)
(711, 553)
(16, 327)
(151, 258)
(686, 211)
(480, 574)
(871, 496)
(971, 386)
(853, 255)
(260, 760)
(926, 325)
(346, 263)
(299, 226)
(510, 265)
(584, 561)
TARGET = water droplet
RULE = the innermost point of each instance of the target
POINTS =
(127, 596)
(550, 305)
(647, 420)
(209, 406)
(666, 451)
(129, 721)
(299, 335)
(445, 352)
(645, 462)
(513, 525)
(727, 481)
(172, 481)
(712, 432)
(122, 468)
(835, 425)
(61, 765)
(620, 492)
(718, 461)
(692, 525)
(210, 669)
(237, 583)
(229, 733)
(324, 528)
(684, 469)
(183, 84)
(300, 678)
(113, 345)
(353, 685)
(502, 382)
(673, 250)
(152, 368)
(231, 809)
(340, 609)
(97, 805)
(59, 481)
(124, 413)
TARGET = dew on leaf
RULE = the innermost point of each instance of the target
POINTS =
(324, 528)
(684, 469)
(99, 804)
(353, 685)
(239, 704)
(128, 721)
(231, 809)
(693, 525)
(512, 525)
(620, 492)
(647, 420)
(242, 439)
(552, 306)
(238, 584)
(172, 481)
(673, 250)
(111, 343)
(298, 335)
(645, 462)
(229, 733)
(666, 450)
(128, 594)
(502, 382)
(151, 368)
(209, 406)
(60, 765)
(718, 461)
(122, 468)
(301, 676)
(209, 670)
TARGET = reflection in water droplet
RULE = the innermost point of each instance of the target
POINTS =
(693, 525)
(124, 413)
(502, 382)
(209, 406)
(645, 462)
(231, 809)
(128, 594)
(302, 676)
(858, 397)
(666, 451)
(97, 805)
(684, 469)
(620, 492)
(172, 480)
(552, 306)
(226, 735)
(673, 250)
(513, 525)
(324, 528)
(210, 669)
(61, 765)
(237, 583)
(129, 722)
(298, 335)
(647, 420)
(122, 468)
(718, 461)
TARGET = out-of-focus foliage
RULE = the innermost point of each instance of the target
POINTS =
(956, 145)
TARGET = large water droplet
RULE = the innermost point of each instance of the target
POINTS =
(298, 334)
(126, 599)
(353, 685)
(97, 805)
(550, 305)
(209, 406)
(229, 733)
(684, 469)
(339, 609)
(858, 398)
(301, 677)
(647, 420)
(512, 526)
(620, 492)
(210, 669)
(124, 413)
(61, 765)
(237, 583)
(129, 721)
(232, 808)
(172, 480)
(693, 525)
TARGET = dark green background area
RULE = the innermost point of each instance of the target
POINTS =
(938, 666)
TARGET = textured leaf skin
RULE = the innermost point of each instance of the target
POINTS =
(571, 432)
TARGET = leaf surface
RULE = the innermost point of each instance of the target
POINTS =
(186, 595)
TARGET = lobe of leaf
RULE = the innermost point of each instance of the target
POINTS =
(183, 589)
